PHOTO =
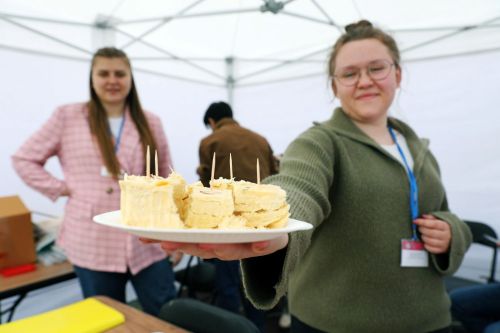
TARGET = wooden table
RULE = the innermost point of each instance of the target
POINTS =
(137, 321)
(20, 285)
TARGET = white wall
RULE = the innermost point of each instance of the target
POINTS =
(452, 101)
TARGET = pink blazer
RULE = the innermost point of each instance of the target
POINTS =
(67, 135)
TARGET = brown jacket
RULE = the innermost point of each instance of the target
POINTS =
(244, 146)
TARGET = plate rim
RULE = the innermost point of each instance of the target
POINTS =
(297, 226)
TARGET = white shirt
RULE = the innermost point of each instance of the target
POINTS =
(393, 150)
(114, 125)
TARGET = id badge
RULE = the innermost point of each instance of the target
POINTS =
(413, 254)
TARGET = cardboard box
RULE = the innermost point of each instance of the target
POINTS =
(17, 246)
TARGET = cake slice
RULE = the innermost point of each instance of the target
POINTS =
(206, 207)
(149, 202)
(261, 206)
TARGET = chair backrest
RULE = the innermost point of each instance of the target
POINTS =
(480, 232)
(200, 317)
(196, 277)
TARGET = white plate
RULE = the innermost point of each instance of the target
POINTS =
(112, 219)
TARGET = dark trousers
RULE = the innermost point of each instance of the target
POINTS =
(300, 327)
(229, 295)
(154, 285)
(477, 307)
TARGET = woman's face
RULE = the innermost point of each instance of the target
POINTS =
(112, 80)
(368, 100)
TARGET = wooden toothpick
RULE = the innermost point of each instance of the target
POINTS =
(148, 164)
(258, 172)
(230, 167)
(213, 167)
(156, 163)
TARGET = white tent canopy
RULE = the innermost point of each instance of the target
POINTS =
(242, 42)
(269, 58)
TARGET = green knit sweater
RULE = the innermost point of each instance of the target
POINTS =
(344, 276)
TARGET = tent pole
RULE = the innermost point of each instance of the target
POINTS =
(230, 79)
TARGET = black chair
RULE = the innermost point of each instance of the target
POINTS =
(200, 317)
(485, 235)
(480, 233)
(197, 277)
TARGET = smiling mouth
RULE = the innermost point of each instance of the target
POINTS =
(366, 96)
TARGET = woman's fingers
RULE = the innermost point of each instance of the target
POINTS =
(433, 241)
(228, 251)
(436, 234)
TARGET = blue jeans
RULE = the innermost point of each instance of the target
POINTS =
(229, 295)
(154, 285)
(477, 307)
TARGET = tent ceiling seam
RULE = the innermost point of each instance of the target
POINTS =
(431, 29)
(42, 53)
(58, 40)
(325, 13)
(291, 78)
(181, 78)
(45, 20)
(308, 18)
(117, 6)
(162, 23)
(201, 68)
(451, 34)
(281, 64)
(207, 59)
(195, 15)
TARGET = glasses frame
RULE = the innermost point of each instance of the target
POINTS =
(358, 74)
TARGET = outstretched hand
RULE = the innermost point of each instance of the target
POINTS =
(436, 234)
(224, 251)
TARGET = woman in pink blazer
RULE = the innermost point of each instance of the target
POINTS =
(96, 142)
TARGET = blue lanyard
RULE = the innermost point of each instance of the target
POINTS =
(413, 186)
(119, 136)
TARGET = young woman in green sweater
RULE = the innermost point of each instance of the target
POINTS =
(383, 234)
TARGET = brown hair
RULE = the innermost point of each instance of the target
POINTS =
(363, 30)
(98, 120)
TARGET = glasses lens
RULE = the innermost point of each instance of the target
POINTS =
(348, 76)
(379, 70)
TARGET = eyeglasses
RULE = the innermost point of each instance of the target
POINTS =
(377, 70)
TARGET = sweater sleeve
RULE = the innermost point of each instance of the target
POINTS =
(461, 238)
(306, 174)
(30, 159)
